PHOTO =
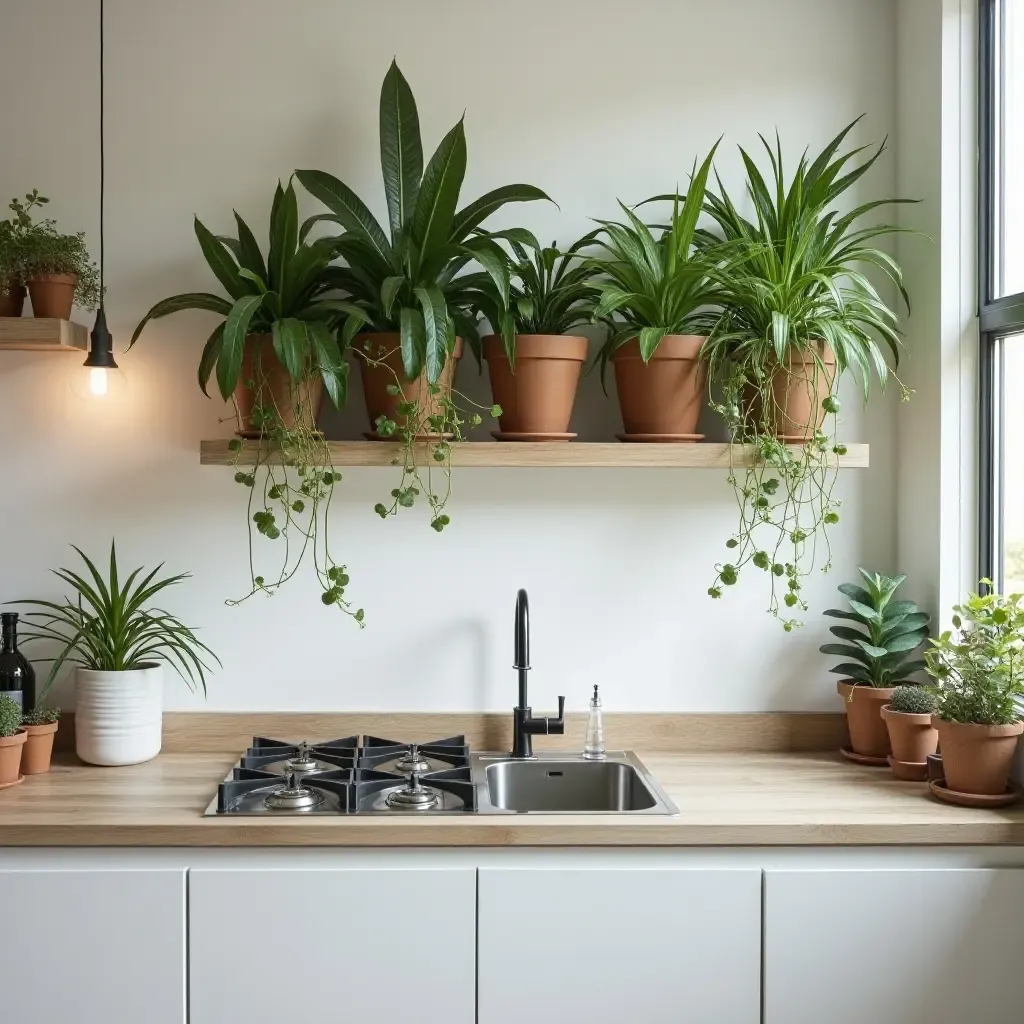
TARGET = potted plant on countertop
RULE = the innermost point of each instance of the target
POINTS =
(658, 298)
(877, 650)
(413, 310)
(119, 642)
(533, 359)
(978, 668)
(912, 735)
(40, 727)
(797, 313)
(12, 742)
(275, 353)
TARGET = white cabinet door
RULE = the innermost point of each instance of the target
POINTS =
(268, 946)
(904, 947)
(657, 946)
(105, 946)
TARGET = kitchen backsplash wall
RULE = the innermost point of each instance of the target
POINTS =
(209, 102)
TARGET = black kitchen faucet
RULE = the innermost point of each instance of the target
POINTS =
(524, 725)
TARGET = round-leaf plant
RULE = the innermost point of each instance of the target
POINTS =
(10, 715)
(912, 700)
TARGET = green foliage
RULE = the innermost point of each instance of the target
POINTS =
(41, 716)
(406, 279)
(886, 634)
(10, 715)
(29, 248)
(912, 700)
(287, 296)
(653, 286)
(978, 666)
(550, 292)
(112, 626)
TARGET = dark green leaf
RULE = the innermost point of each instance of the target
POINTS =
(401, 150)
(176, 303)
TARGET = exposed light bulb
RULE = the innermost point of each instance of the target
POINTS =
(98, 381)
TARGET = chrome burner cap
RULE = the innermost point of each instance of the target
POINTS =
(413, 761)
(292, 797)
(302, 762)
(412, 796)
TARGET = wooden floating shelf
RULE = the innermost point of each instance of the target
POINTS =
(547, 454)
(36, 334)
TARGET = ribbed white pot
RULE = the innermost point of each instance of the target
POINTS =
(119, 715)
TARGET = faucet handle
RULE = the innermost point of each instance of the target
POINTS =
(557, 725)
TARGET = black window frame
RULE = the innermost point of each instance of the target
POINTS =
(997, 317)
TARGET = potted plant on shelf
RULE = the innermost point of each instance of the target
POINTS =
(886, 634)
(658, 297)
(978, 668)
(40, 726)
(912, 735)
(275, 353)
(12, 741)
(413, 311)
(12, 258)
(57, 268)
(533, 359)
(119, 642)
(797, 313)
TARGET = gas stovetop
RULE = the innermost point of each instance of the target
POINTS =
(349, 776)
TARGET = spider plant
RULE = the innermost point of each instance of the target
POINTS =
(112, 626)
(795, 289)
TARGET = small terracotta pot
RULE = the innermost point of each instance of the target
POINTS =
(386, 349)
(10, 757)
(290, 400)
(798, 388)
(53, 295)
(977, 758)
(868, 734)
(913, 737)
(536, 398)
(663, 396)
(12, 299)
(38, 748)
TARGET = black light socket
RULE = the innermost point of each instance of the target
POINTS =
(101, 344)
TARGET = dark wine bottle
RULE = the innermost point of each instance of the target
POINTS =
(17, 677)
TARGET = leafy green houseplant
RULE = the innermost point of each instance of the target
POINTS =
(878, 651)
(118, 639)
(276, 351)
(40, 726)
(533, 356)
(12, 741)
(798, 311)
(978, 673)
(658, 297)
(411, 306)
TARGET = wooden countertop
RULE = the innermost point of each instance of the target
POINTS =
(724, 799)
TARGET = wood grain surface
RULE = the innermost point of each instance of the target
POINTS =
(37, 334)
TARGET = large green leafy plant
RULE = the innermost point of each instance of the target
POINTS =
(290, 297)
(978, 666)
(795, 282)
(114, 626)
(886, 633)
(406, 278)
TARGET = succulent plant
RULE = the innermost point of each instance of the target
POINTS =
(10, 716)
(41, 716)
(912, 700)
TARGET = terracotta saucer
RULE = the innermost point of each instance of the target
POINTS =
(951, 796)
(873, 762)
(372, 435)
(506, 435)
(17, 782)
(908, 771)
(658, 438)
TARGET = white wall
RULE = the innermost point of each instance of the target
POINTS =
(209, 102)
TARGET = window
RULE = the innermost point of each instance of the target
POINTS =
(1001, 293)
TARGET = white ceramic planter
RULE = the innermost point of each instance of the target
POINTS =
(119, 715)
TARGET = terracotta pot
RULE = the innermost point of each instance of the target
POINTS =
(798, 388)
(12, 299)
(663, 396)
(538, 397)
(10, 757)
(53, 295)
(913, 737)
(277, 389)
(977, 758)
(868, 734)
(386, 349)
(38, 749)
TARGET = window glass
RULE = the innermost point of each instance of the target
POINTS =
(1010, 465)
(1009, 157)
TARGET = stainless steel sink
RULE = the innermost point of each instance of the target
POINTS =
(558, 783)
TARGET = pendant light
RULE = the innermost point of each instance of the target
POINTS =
(101, 345)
